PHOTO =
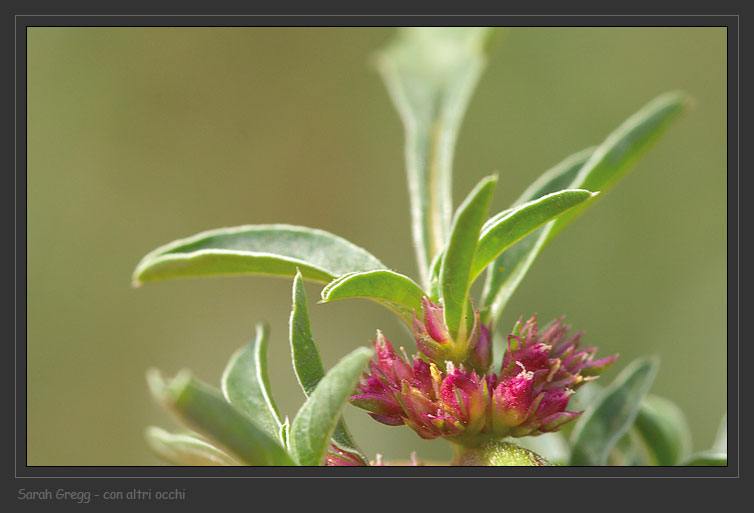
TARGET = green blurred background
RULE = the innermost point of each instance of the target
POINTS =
(138, 136)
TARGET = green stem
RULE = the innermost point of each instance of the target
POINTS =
(496, 453)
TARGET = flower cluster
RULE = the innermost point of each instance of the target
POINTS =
(528, 396)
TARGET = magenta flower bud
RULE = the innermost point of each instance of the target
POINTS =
(511, 401)
(464, 396)
(435, 342)
(432, 336)
(481, 355)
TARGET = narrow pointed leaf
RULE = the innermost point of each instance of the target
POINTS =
(315, 422)
(623, 147)
(308, 367)
(430, 74)
(186, 450)
(458, 258)
(434, 275)
(203, 409)
(707, 459)
(502, 231)
(246, 386)
(393, 290)
(508, 269)
(663, 427)
(601, 427)
(595, 170)
(275, 249)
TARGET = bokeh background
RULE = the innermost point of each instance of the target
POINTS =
(138, 136)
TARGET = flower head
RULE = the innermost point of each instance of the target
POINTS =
(528, 397)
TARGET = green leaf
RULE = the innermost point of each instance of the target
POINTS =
(512, 225)
(508, 269)
(707, 459)
(595, 170)
(285, 428)
(307, 363)
(551, 446)
(599, 429)
(315, 422)
(631, 451)
(246, 386)
(430, 74)
(275, 249)
(186, 450)
(395, 291)
(664, 429)
(455, 269)
(204, 409)
(434, 275)
(721, 439)
(623, 147)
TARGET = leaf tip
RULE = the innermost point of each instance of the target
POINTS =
(176, 387)
(156, 384)
(154, 434)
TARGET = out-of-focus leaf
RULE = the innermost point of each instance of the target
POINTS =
(275, 249)
(512, 225)
(508, 269)
(393, 290)
(315, 422)
(246, 386)
(457, 260)
(630, 451)
(601, 427)
(603, 167)
(186, 450)
(551, 446)
(623, 147)
(664, 429)
(307, 363)
(707, 459)
(721, 439)
(203, 409)
(430, 74)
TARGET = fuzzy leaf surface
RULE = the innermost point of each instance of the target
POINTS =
(307, 363)
(512, 225)
(430, 74)
(246, 386)
(458, 258)
(391, 289)
(274, 249)
(315, 422)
